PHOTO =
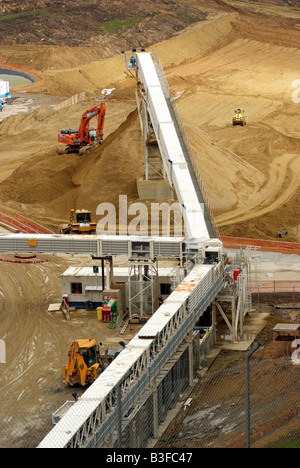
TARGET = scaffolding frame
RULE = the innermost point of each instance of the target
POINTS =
(142, 287)
(236, 295)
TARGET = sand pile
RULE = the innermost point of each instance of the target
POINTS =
(47, 185)
(251, 173)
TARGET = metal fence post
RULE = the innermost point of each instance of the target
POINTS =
(119, 408)
(248, 355)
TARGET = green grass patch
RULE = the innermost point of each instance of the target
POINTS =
(25, 14)
(290, 440)
(293, 10)
(115, 26)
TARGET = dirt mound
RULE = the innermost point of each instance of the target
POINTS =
(49, 184)
(258, 192)
(67, 33)
(196, 41)
(68, 24)
(106, 173)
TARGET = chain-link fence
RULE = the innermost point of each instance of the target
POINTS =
(125, 427)
(211, 414)
(24, 429)
(216, 415)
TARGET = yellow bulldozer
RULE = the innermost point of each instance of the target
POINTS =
(84, 363)
(81, 222)
(239, 117)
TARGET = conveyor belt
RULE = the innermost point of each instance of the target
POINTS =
(177, 158)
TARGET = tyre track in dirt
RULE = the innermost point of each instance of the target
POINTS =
(250, 172)
(22, 310)
(36, 348)
(37, 344)
(282, 183)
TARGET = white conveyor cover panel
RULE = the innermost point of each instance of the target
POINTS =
(171, 149)
(147, 70)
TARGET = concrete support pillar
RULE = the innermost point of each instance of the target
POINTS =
(107, 277)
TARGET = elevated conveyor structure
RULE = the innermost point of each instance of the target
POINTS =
(175, 151)
(130, 385)
(130, 246)
(93, 418)
(136, 373)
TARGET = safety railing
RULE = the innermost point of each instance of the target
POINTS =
(275, 286)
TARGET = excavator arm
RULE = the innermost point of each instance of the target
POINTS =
(85, 119)
(81, 138)
(90, 114)
(75, 371)
(101, 119)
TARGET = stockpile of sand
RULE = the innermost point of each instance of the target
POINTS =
(47, 185)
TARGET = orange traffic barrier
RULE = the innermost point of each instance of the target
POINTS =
(260, 244)
(24, 224)
(275, 286)
(33, 224)
(16, 224)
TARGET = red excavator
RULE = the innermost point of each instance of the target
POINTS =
(85, 138)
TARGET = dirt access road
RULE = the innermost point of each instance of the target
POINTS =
(235, 57)
(37, 345)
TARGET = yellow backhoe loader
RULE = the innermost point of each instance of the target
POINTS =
(84, 363)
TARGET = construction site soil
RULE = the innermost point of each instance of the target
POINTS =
(217, 56)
